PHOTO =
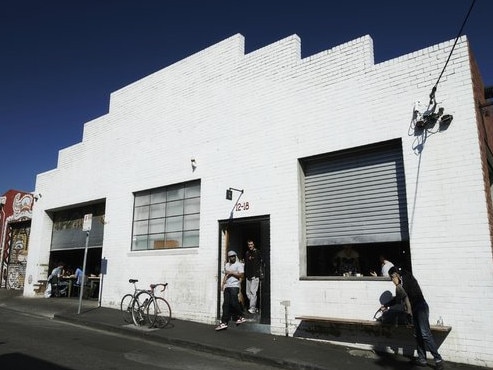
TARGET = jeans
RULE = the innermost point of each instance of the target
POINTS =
(231, 305)
(251, 290)
(424, 337)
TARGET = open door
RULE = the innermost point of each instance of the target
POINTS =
(233, 235)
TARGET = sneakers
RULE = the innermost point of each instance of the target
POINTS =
(221, 326)
(252, 310)
(240, 320)
(420, 363)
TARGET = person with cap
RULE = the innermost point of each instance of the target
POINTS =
(233, 273)
(420, 314)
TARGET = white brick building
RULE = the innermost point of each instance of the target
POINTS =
(271, 123)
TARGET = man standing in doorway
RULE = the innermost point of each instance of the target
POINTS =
(253, 264)
(233, 273)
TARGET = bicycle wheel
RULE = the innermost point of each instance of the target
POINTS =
(139, 308)
(159, 313)
(126, 307)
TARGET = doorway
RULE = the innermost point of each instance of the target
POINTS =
(233, 235)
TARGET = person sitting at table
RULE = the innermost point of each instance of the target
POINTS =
(78, 276)
(59, 286)
(346, 261)
(68, 272)
(79, 281)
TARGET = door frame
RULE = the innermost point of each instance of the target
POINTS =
(233, 234)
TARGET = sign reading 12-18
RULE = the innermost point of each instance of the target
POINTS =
(243, 206)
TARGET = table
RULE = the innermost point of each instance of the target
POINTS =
(70, 280)
(94, 282)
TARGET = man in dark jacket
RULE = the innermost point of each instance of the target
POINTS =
(253, 262)
(421, 315)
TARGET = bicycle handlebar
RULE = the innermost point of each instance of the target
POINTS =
(154, 286)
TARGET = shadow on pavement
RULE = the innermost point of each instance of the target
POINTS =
(21, 361)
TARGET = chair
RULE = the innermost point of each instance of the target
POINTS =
(76, 289)
(57, 289)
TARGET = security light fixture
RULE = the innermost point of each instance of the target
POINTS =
(446, 120)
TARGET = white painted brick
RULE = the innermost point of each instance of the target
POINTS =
(247, 119)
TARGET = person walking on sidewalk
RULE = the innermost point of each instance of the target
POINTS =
(421, 315)
(253, 262)
(233, 273)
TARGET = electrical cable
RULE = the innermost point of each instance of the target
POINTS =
(434, 89)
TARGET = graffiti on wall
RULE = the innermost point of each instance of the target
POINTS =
(15, 230)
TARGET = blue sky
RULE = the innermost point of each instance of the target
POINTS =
(61, 59)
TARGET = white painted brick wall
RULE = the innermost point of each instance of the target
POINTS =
(247, 119)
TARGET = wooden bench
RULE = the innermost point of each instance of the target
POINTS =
(365, 323)
(385, 337)
(40, 287)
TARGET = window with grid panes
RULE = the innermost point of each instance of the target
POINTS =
(167, 217)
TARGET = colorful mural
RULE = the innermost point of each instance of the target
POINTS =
(15, 223)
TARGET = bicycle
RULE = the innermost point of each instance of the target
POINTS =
(127, 302)
(151, 310)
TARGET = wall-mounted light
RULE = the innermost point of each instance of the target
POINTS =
(229, 193)
(193, 162)
(446, 119)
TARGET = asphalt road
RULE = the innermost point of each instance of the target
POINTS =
(33, 342)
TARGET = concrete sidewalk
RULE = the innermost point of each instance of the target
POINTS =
(237, 341)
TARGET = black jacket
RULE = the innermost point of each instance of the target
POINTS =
(412, 289)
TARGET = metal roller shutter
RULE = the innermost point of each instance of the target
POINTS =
(356, 196)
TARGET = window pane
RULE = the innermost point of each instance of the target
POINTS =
(174, 223)
(140, 227)
(173, 240)
(191, 238)
(158, 196)
(141, 213)
(192, 205)
(157, 241)
(156, 225)
(175, 192)
(191, 222)
(192, 190)
(158, 210)
(175, 208)
(139, 243)
(142, 199)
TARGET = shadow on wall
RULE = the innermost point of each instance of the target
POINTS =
(397, 339)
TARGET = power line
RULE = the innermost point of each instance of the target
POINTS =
(432, 94)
